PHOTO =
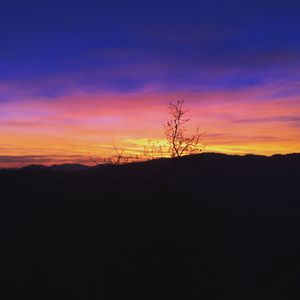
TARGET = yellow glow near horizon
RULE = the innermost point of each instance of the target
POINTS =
(72, 129)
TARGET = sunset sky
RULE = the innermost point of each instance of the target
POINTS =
(76, 74)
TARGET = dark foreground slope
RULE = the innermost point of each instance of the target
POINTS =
(164, 229)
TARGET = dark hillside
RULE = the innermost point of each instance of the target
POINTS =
(153, 230)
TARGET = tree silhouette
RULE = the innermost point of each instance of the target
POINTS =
(153, 150)
(175, 132)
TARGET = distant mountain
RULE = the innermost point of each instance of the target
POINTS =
(69, 167)
(207, 157)
(60, 168)
(35, 168)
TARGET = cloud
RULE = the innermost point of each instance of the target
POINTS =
(290, 118)
(8, 161)
(25, 159)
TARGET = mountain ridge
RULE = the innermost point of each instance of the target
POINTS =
(77, 167)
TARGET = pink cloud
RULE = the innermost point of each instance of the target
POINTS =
(71, 125)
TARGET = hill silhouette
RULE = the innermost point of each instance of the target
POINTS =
(62, 168)
(160, 229)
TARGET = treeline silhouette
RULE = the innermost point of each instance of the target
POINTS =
(167, 228)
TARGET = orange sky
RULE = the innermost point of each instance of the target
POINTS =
(70, 128)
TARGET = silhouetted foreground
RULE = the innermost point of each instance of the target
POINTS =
(164, 229)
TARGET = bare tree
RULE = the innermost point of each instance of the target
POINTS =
(175, 132)
(120, 157)
(153, 150)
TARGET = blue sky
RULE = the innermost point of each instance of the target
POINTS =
(190, 44)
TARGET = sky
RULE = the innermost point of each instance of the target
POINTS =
(75, 75)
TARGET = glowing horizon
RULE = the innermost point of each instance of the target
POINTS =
(69, 129)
